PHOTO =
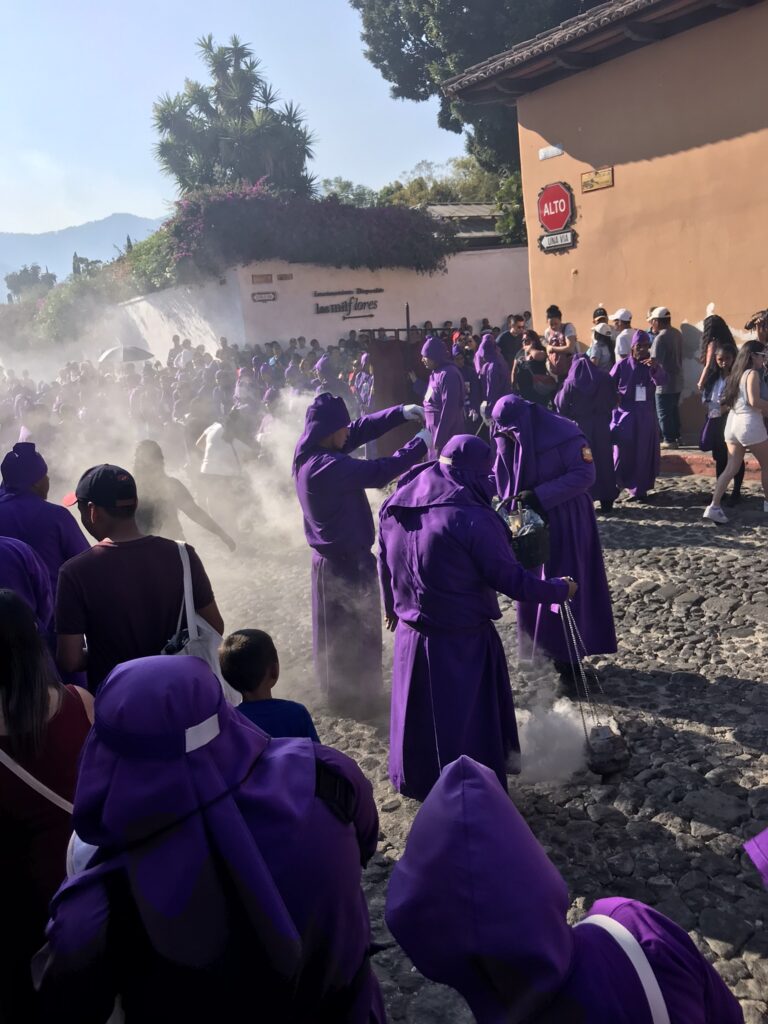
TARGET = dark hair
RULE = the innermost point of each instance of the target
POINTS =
(715, 330)
(714, 370)
(533, 339)
(740, 366)
(554, 311)
(760, 317)
(26, 675)
(245, 658)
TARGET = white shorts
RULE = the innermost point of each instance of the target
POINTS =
(745, 429)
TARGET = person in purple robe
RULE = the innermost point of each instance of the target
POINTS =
(757, 850)
(476, 904)
(634, 427)
(338, 525)
(444, 397)
(443, 556)
(295, 378)
(364, 384)
(588, 397)
(24, 572)
(493, 373)
(225, 880)
(49, 529)
(545, 460)
(327, 379)
(462, 358)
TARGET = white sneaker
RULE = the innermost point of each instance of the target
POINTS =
(715, 513)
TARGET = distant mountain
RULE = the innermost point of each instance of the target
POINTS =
(53, 249)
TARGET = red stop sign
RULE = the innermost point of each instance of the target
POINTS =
(555, 207)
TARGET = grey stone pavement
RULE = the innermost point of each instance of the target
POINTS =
(687, 688)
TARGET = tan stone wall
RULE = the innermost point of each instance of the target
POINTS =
(685, 124)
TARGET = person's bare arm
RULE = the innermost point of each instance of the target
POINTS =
(708, 360)
(71, 654)
(753, 393)
(192, 510)
(212, 616)
(200, 442)
(87, 699)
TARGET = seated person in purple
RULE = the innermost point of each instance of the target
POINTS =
(476, 904)
(338, 525)
(24, 572)
(226, 883)
(25, 514)
(443, 556)
(250, 665)
(545, 459)
(634, 427)
(588, 397)
(444, 397)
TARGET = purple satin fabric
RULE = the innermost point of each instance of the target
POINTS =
(588, 397)
(635, 428)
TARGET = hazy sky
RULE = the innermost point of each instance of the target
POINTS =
(78, 79)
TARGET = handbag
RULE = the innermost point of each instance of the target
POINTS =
(529, 533)
(198, 639)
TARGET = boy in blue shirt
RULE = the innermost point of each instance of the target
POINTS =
(250, 665)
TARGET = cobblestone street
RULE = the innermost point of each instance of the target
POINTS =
(687, 688)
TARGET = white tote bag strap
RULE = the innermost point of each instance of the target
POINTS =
(189, 600)
(638, 959)
(33, 783)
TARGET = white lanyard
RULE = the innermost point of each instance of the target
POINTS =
(638, 959)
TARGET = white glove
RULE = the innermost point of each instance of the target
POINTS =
(484, 413)
(414, 412)
(425, 436)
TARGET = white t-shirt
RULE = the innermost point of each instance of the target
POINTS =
(184, 358)
(222, 457)
(624, 343)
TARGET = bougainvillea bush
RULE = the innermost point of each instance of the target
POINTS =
(217, 228)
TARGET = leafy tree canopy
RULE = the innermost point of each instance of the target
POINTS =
(418, 44)
(348, 192)
(461, 180)
(232, 130)
(29, 281)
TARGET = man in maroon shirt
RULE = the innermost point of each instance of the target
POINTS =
(121, 597)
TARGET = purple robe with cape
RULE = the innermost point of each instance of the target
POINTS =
(476, 904)
(227, 874)
(443, 556)
(24, 572)
(588, 397)
(634, 428)
(444, 398)
(49, 529)
(492, 371)
(548, 454)
(338, 525)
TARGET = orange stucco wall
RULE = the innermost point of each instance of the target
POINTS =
(684, 123)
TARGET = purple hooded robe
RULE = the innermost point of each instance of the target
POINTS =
(227, 873)
(492, 371)
(444, 397)
(338, 525)
(49, 529)
(443, 555)
(548, 454)
(476, 904)
(634, 428)
(588, 397)
(24, 572)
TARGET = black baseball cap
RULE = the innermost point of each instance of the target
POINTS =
(600, 311)
(106, 486)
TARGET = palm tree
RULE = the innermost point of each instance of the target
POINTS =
(233, 129)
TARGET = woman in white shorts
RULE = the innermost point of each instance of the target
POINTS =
(745, 426)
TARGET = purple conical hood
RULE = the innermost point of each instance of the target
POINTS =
(324, 417)
(475, 901)
(434, 349)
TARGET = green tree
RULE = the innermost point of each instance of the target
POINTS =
(461, 180)
(509, 201)
(418, 44)
(348, 192)
(232, 130)
(29, 282)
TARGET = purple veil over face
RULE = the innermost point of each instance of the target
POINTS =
(487, 352)
(461, 476)
(583, 375)
(433, 348)
(324, 417)
(161, 777)
(532, 430)
(476, 903)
